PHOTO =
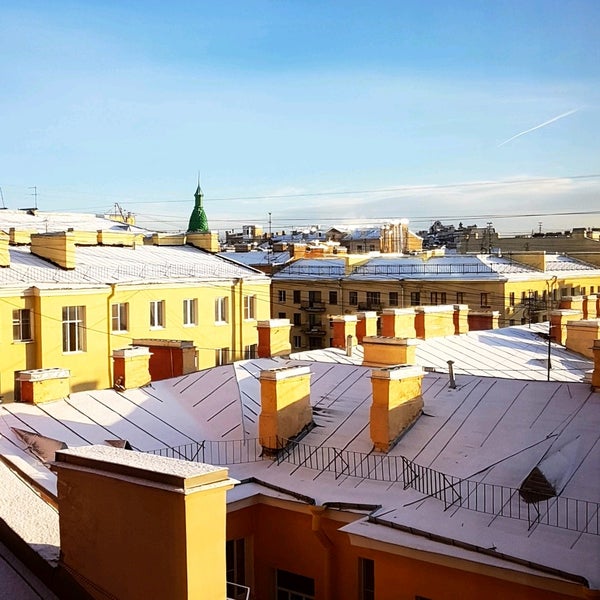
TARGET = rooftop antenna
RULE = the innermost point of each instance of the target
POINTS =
(2, 198)
(34, 194)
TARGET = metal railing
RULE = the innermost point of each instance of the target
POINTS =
(422, 269)
(492, 499)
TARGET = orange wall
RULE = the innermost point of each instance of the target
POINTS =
(283, 539)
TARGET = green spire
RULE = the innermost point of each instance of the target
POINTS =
(198, 221)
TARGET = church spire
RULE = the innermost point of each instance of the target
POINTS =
(198, 221)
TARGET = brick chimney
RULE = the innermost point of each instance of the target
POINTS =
(285, 405)
(571, 303)
(397, 403)
(366, 324)
(590, 303)
(461, 318)
(581, 336)
(274, 338)
(44, 385)
(434, 321)
(137, 526)
(483, 319)
(343, 326)
(558, 322)
(131, 367)
(398, 322)
(380, 351)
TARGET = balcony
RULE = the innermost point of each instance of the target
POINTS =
(378, 306)
(313, 306)
(314, 329)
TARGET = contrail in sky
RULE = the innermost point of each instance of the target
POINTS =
(514, 137)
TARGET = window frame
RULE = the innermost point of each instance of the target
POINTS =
(22, 326)
(190, 312)
(221, 310)
(250, 307)
(119, 322)
(393, 299)
(157, 314)
(353, 298)
(73, 329)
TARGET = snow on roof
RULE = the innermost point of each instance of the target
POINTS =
(316, 268)
(367, 233)
(517, 352)
(115, 264)
(487, 431)
(558, 262)
(254, 258)
(43, 222)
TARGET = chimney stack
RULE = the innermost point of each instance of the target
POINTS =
(343, 326)
(366, 324)
(380, 351)
(274, 338)
(398, 322)
(131, 367)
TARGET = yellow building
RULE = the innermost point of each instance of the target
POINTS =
(523, 288)
(69, 299)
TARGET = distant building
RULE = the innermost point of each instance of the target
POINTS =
(388, 238)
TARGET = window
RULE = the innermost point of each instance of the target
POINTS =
(353, 298)
(393, 301)
(22, 325)
(415, 298)
(442, 297)
(221, 356)
(485, 300)
(221, 309)
(157, 313)
(359, 248)
(433, 298)
(190, 310)
(511, 299)
(235, 552)
(523, 297)
(296, 296)
(119, 316)
(291, 586)
(371, 247)
(333, 297)
(366, 579)
(582, 292)
(512, 322)
(297, 341)
(297, 319)
(314, 296)
(282, 315)
(250, 351)
(73, 323)
(373, 299)
(281, 295)
(460, 297)
(249, 307)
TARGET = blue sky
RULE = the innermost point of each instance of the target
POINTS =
(318, 112)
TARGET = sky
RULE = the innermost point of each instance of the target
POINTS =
(310, 112)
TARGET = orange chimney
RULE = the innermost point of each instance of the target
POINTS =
(398, 322)
(558, 322)
(571, 303)
(366, 324)
(397, 403)
(343, 326)
(483, 319)
(461, 318)
(589, 306)
(131, 367)
(137, 526)
(285, 405)
(434, 321)
(380, 351)
(44, 385)
(581, 336)
(274, 338)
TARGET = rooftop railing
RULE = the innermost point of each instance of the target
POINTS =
(492, 499)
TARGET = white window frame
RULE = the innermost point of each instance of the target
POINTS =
(221, 309)
(190, 312)
(157, 314)
(222, 356)
(282, 295)
(73, 329)
(120, 316)
(22, 326)
(250, 307)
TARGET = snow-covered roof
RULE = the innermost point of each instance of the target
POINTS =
(114, 264)
(487, 433)
(517, 352)
(256, 258)
(367, 233)
(315, 268)
(44, 222)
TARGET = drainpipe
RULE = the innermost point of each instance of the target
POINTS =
(241, 319)
(327, 544)
(109, 330)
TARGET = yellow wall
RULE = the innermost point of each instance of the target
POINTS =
(92, 368)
